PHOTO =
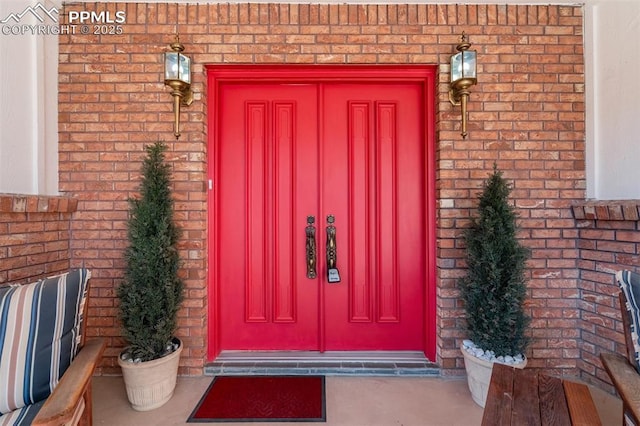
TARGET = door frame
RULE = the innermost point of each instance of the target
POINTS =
(421, 74)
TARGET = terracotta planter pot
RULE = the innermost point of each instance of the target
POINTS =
(151, 384)
(479, 375)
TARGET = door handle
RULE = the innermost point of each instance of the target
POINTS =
(333, 276)
(310, 245)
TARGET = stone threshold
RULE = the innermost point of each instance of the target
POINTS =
(327, 363)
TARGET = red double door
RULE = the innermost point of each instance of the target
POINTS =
(291, 159)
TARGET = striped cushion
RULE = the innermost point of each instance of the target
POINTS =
(630, 285)
(21, 416)
(39, 336)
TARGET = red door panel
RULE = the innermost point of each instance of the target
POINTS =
(372, 181)
(268, 155)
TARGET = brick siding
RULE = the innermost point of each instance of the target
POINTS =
(526, 114)
(608, 240)
(34, 236)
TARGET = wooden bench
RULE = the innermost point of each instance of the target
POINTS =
(624, 376)
(62, 301)
(525, 397)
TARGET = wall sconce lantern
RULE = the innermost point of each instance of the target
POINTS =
(463, 76)
(177, 75)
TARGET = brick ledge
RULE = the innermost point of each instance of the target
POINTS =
(607, 210)
(21, 203)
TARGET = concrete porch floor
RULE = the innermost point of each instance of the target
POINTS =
(350, 401)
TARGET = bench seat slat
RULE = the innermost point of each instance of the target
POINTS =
(525, 396)
(581, 407)
(497, 411)
(553, 404)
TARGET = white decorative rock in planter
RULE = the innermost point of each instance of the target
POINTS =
(150, 384)
(479, 374)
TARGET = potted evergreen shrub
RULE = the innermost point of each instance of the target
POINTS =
(151, 291)
(494, 288)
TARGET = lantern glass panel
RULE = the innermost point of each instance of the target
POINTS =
(463, 65)
(456, 67)
(184, 68)
(177, 67)
(171, 66)
(469, 64)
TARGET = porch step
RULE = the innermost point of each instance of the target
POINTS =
(231, 363)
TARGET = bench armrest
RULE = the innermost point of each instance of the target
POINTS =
(61, 406)
(626, 380)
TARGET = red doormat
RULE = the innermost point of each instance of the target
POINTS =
(262, 399)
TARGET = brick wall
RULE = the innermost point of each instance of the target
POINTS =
(526, 114)
(609, 241)
(34, 236)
